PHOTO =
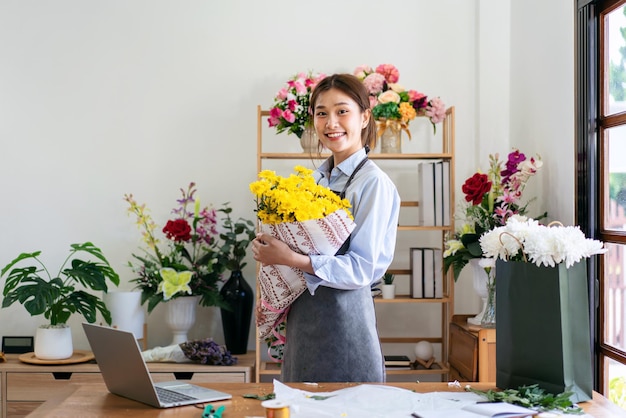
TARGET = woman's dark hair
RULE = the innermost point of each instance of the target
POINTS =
(354, 88)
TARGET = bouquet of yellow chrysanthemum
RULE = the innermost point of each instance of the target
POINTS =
(310, 219)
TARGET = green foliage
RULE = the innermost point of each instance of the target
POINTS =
(617, 188)
(236, 237)
(388, 278)
(617, 391)
(57, 298)
(617, 77)
(532, 397)
(388, 110)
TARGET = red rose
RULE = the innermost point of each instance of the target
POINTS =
(178, 230)
(476, 187)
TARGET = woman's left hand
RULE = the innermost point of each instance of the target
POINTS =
(269, 250)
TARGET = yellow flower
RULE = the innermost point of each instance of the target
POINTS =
(452, 246)
(468, 228)
(295, 198)
(407, 112)
(174, 282)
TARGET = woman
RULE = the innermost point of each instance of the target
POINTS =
(331, 331)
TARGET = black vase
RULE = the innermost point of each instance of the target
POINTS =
(236, 322)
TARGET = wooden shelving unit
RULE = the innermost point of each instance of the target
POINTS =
(447, 301)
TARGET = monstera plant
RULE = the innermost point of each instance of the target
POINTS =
(58, 296)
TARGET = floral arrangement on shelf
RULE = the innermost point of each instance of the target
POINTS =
(394, 106)
(188, 263)
(522, 239)
(290, 111)
(310, 219)
(490, 200)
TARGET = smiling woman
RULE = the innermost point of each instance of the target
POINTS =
(338, 293)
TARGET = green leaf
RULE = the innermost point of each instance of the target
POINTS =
(19, 258)
(532, 397)
(56, 298)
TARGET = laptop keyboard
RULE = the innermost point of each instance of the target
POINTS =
(168, 396)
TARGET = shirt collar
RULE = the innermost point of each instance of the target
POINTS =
(348, 165)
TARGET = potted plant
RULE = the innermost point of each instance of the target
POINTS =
(58, 297)
(237, 293)
(389, 289)
(184, 270)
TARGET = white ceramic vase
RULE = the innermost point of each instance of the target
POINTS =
(180, 315)
(53, 343)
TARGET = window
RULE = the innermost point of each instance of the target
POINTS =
(601, 178)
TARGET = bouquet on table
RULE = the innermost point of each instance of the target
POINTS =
(310, 219)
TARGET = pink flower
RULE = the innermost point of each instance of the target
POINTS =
(275, 115)
(282, 93)
(374, 83)
(289, 116)
(436, 110)
(298, 86)
(362, 71)
(415, 95)
(389, 71)
(292, 105)
(373, 101)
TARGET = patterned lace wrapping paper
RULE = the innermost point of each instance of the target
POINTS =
(280, 285)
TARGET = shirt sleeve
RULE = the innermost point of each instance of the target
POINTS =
(375, 207)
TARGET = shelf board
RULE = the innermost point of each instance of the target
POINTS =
(371, 155)
(436, 368)
(408, 299)
(268, 368)
(410, 340)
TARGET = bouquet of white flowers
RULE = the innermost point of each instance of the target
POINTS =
(522, 239)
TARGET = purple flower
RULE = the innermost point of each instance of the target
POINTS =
(515, 158)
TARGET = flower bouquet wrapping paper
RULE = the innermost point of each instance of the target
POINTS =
(281, 285)
(310, 219)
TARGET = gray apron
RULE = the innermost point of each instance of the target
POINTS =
(332, 336)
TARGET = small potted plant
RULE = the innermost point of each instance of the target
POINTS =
(57, 297)
(389, 289)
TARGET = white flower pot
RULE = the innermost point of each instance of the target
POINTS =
(53, 343)
(389, 291)
(127, 313)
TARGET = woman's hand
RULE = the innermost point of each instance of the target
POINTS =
(269, 250)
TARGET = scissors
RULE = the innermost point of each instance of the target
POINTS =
(209, 412)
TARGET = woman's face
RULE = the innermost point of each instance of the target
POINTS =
(338, 122)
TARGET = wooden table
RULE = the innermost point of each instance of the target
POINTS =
(23, 387)
(93, 400)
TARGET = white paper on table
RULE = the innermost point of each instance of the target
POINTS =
(281, 285)
(379, 401)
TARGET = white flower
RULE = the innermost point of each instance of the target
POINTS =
(539, 244)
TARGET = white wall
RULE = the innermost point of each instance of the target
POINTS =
(99, 99)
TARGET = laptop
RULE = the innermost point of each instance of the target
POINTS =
(125, 372)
